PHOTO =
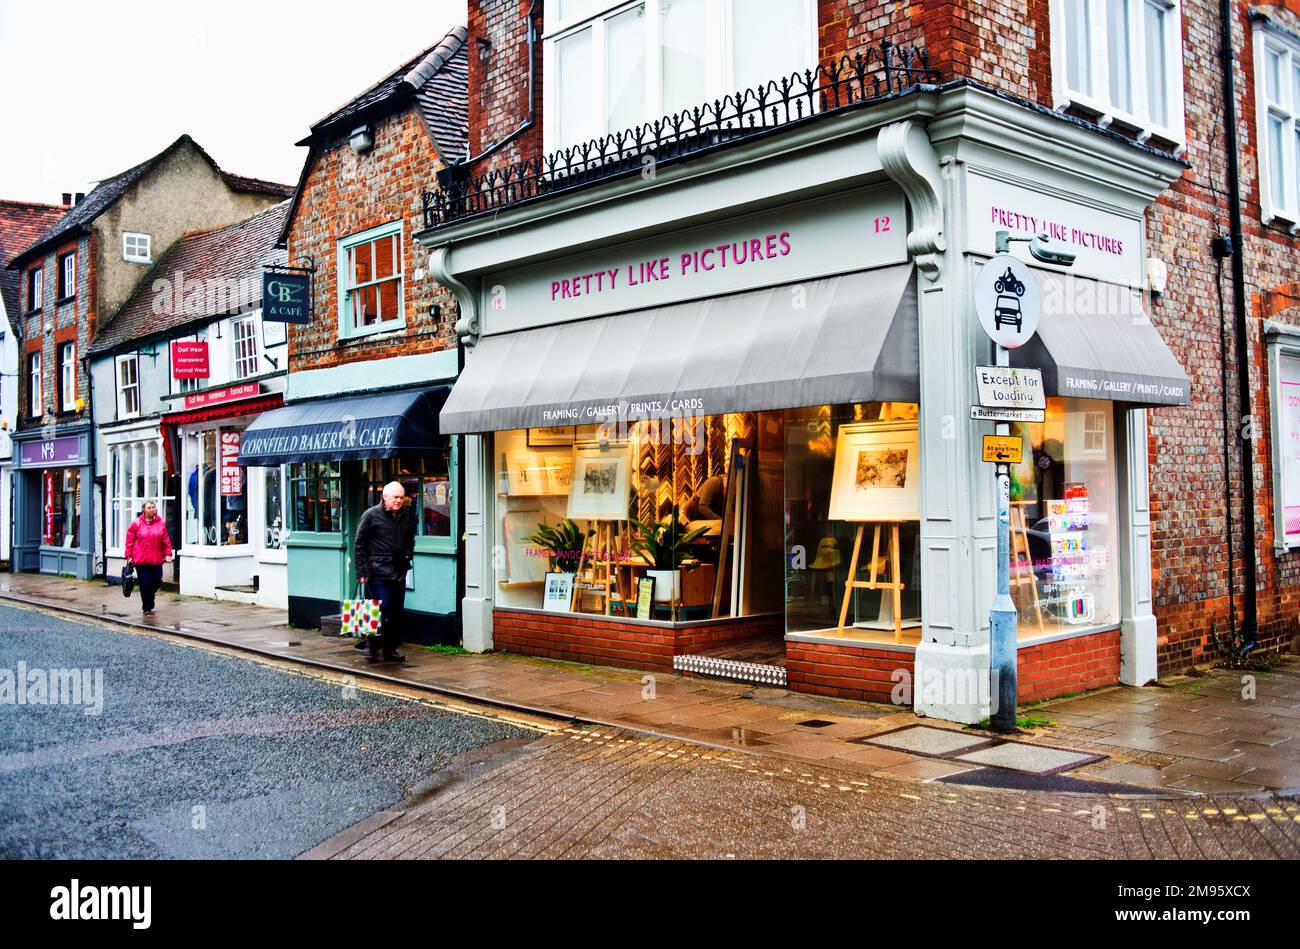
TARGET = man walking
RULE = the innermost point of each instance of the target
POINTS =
(385, 546)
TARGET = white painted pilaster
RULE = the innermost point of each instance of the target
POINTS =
(1137, 638)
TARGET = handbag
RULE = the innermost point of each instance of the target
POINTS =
(360, 616)
(128, 578)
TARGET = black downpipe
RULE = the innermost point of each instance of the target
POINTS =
(1245, 424)
(90, 456)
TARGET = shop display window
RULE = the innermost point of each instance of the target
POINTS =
(1064, 536)
(316, 492)
(216, 488)
(273, 502)
(585, 513)
(135, 475)
(852, 511)
(61, 523)
(428, 488)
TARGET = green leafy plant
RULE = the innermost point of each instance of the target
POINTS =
(663, 545)
(564, 541)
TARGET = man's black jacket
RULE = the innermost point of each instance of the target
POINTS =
(385, 543)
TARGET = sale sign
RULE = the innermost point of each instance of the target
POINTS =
(189, 359)
(232, 476)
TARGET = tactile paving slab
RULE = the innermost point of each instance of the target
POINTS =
(1032, 759)
(925, 740)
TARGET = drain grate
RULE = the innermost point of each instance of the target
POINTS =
(733, 669)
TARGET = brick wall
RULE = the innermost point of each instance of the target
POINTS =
(346, 193)
(498, 80)
(1067, 665)
(847, 672)
(596, 639)
(72, 320)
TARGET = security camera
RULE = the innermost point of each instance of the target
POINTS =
(1050, 252)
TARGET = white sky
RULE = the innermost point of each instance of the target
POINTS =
(89, 88)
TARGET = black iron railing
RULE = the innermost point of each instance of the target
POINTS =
(877, 73)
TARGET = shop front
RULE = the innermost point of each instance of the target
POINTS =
(53, 510)
(338, 453)
(726, 429)
(231, 521)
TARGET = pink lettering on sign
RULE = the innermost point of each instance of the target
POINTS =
(1056, 230)
(232, 476)
(702, 260)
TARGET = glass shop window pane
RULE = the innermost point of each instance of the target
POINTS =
(1157, 66)
(1078, 52)
(1117, 50)
(625, 104)
(769, 42)
(682, 40)
(573, 64)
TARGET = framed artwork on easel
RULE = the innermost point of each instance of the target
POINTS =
(599, 484)
(877, 473)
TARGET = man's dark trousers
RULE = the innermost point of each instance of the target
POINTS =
(391, 595)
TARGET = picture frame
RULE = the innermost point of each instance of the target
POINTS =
(553, 437)
(645, 597)
(557, 594)
(877, 475)
(600, 483)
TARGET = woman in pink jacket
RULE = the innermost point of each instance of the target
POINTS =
(148, 547)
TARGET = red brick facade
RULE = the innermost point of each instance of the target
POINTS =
(344, 193)
(1067, 665)
(1008, 45)
(865, 673)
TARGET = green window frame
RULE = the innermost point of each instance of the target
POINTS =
(430, 484)
(371, 281)
(316, 497)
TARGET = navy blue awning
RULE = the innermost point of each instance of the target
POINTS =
(386, 425)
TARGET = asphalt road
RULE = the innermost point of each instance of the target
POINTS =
(182, 752)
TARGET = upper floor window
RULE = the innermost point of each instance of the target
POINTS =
(35, 402)
(67, 377)
(612, 66)
(128, 386)
(244, 333)
(67, 286)
(370, 280)
(1123, 60)
(35, 288)
(136, 247)
(1277, 97)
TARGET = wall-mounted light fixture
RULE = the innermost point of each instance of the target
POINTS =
(362, 139)
(1157, 275)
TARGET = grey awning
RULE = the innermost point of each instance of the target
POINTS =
(850, 338)
(1095, 341)
(383, 425)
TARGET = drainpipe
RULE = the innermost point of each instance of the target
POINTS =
(1245, 425)
(90, 457)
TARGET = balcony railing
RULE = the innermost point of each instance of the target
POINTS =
(878, 73)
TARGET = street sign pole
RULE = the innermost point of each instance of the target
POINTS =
(1002, 618)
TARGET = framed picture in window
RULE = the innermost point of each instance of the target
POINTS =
(599, 486)
(556, 435)
(877, 473)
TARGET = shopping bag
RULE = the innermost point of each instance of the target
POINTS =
(128, 578)
(360, 616)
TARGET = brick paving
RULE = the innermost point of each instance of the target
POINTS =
(594, 792)
(1194, 735)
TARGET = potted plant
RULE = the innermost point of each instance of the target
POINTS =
(563, 544)
(663, 547)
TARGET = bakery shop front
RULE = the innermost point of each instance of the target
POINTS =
(719, 424)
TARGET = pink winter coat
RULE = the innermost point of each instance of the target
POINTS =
(147, 542)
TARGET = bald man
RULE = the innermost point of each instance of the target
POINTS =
(385, 546)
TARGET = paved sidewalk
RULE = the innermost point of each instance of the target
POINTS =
(1187, 735)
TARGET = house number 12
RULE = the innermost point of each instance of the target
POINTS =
(882, 224)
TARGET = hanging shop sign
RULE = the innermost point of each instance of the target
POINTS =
(1007, 301)
(286, 296)
(189, 359)
(1003, 449)
(245, 390)
(232, 476)
(1108, 246)
(848, 232)
(1004, 387)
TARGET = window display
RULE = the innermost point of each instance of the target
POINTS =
(1064, 567)
(216, 491)
(62, 507)
(428, 488)
(673, 500)
(315, 490)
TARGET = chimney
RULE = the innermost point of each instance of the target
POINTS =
(81, 196)
(67, 198)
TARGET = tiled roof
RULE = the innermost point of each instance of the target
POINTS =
(21, 225)
(222, 271)
(438, 81)
(110, 189)
(437, 77)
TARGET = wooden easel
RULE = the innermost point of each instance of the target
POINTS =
(1023, 570)
(894, 583)
(604, 569)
